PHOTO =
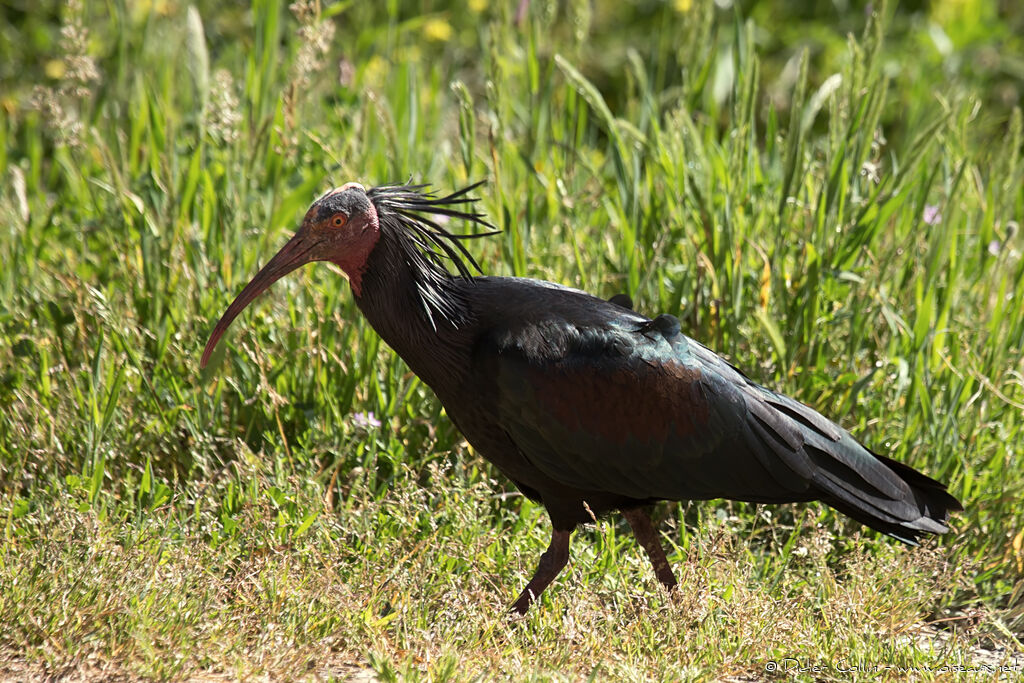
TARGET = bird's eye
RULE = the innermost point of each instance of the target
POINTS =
(338, 220)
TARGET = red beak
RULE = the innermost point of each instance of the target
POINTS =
(297, 252)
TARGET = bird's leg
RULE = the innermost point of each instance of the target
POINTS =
(640, 523)
(551, 563)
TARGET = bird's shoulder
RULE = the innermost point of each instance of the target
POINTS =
(563, 342)
(540, 323)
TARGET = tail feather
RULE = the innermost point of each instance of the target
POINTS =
(877, 491)
(931, 495)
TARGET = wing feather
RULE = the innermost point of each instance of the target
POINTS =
(599, 399)
(638, 414)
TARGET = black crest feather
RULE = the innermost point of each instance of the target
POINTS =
(410, 214)
(411, 207)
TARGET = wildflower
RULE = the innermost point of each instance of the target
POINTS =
(437, 30)
(365, 421)
(376, 69)
(931, 214)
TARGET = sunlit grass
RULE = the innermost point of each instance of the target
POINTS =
(417, 583)
(857, 248)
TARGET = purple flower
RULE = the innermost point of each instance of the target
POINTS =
(931, 215)
(365, 421)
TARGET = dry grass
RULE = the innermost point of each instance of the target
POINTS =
(416, 585)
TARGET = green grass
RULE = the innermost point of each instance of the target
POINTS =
(839, 216)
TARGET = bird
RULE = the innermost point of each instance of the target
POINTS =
(585, 405)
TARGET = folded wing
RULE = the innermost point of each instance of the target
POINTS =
(638, 409)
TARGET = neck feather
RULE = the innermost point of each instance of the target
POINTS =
(417, 308)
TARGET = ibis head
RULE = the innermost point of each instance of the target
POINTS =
(341, 226)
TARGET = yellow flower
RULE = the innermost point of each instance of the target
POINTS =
(478, 5)
(682, 6)
(376, 69)
(55, 68)
(437, 29)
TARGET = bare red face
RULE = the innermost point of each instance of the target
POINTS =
(341, 227)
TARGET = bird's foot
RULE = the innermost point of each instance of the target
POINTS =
(551, 563)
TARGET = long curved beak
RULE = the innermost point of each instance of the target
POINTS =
(297, 252)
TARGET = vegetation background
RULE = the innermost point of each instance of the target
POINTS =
(828, 192)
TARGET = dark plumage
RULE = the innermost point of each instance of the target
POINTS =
(585, 405)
